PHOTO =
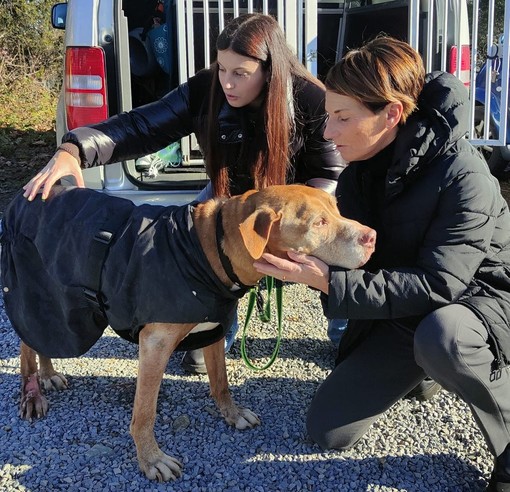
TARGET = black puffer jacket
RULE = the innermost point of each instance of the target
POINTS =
(443, 227)
(184, 111)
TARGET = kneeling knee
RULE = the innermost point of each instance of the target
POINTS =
(328, 437)
(434, 342)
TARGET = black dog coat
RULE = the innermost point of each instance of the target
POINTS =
(153, 271)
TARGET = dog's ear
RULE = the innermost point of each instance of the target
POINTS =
(256, 228)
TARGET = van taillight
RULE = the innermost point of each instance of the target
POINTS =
(465, 63)
(85, 86)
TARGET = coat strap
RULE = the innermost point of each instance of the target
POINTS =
(98, 252)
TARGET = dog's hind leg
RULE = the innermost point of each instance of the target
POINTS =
(241, 418)
(50, 379)
(33, 402)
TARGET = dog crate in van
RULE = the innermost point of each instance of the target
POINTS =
(438, 31)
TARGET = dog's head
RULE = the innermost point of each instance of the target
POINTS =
(303, 219)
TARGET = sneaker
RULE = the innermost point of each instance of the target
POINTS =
(193, 362)
(336, 328)
(424, 390)
(500, 476)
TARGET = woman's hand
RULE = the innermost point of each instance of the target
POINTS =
(61, 164)
(302, 269)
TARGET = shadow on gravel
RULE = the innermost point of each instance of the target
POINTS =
(84, 443)
(98, 454)
(319, 352)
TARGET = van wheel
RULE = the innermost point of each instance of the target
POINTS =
(498, 166)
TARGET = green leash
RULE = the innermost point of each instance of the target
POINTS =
(264, 316)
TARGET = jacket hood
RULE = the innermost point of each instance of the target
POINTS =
(440, 120)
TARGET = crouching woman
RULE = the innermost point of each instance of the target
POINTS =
(434, 299)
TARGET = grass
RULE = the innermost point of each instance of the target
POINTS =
(29, 116)
(27, 133)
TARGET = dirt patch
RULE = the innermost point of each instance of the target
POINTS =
(18, 167)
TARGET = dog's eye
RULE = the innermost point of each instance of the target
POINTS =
(322, 222)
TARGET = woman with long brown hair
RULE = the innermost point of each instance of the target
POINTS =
(276, 111)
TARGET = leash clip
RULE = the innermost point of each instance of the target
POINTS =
(264, 311)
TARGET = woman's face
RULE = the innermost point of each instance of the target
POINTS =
(242, 78)
(358, 132)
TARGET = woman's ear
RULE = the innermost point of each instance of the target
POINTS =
(393, 114)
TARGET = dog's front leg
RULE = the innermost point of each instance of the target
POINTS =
(157, 342)
(241, 418)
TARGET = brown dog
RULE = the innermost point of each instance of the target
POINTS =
(276, 220)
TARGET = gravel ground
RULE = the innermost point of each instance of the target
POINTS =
(83, 443)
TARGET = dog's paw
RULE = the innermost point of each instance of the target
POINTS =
(54, 381)
(241, 418)
(162, 468)
(33, 402)
(247, 419)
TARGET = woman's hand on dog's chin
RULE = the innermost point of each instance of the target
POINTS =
(299, 268)
(61, 164)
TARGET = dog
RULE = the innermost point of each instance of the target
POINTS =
(83, 260)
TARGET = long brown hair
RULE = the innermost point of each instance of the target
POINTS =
(256, 36)
(382, 71)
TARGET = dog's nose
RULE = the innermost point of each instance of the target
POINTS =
(367, 239)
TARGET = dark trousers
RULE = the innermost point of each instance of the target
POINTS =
(450, 345)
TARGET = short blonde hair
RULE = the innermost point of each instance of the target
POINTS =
(382, 71)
